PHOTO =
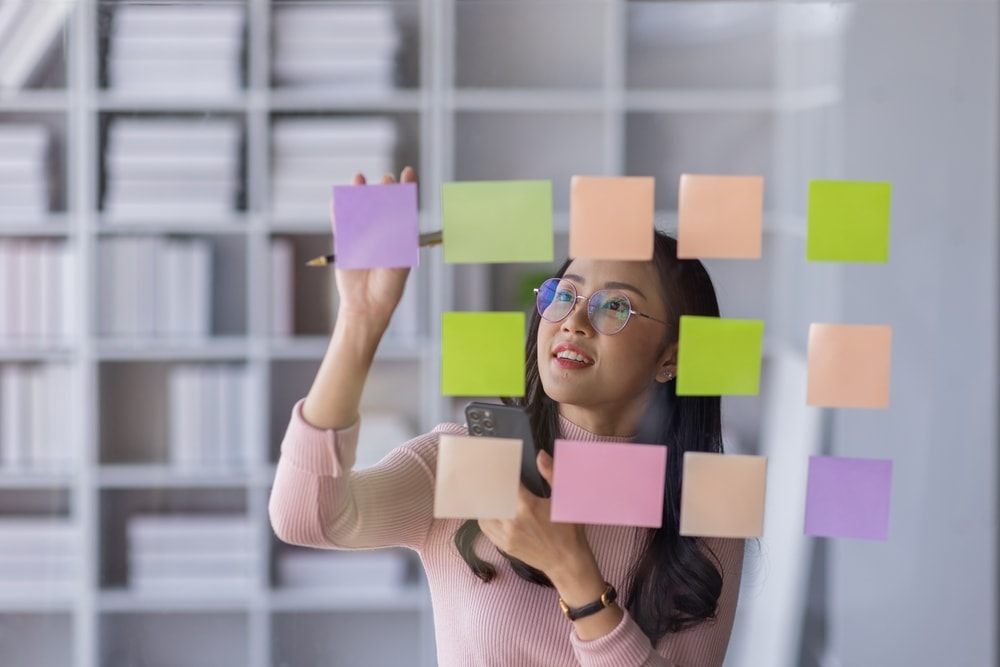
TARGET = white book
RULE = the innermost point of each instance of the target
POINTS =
(7, 287)
(60, 415)
(382, 47)
(311, 167)
(152, 565)
(17, 290)
(125, 191)
(144, 273)
(32, 196)
(184, 412)
(282, 296)
(169, 295)
(69, 293)
(23, 141)
(11, 12)
(30, 279)
(173, 136)
(30, 536)
(38, 412)
(50, 282)
(176, 47)
(200, 300)
(194, 20)
(38, 567)
(13, 416)
(106, 251)
(213, 166)
(22, 172)
(365, 74)
(168, 211)
(27, 46)
(307, 134)
(155, 75)
(189, 533)
(123, 288)
(306, 20)
(209, 446)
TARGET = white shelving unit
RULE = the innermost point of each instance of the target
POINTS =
(488, 90)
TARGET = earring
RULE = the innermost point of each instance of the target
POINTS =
(667, 374)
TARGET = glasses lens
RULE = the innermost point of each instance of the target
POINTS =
(555, 299)
(609, 311)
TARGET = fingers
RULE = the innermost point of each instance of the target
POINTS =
(544, 463)
(408, 175)
(359, 179)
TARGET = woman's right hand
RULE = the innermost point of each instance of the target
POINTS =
(372, 294)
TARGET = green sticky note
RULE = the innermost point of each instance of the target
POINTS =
(848, 221)
(482, 354)
(497, 221)
(719, 357)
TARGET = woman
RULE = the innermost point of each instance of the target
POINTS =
(600, 368)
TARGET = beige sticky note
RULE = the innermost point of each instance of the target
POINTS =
(477, 478)
(849, 365)
(720, 216)
(611, 217)
(722, 495)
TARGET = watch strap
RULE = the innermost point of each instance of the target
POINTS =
(606, 600)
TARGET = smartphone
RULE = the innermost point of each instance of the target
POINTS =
(492, 420)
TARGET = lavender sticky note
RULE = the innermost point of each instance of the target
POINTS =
(375, 226)
(608, 483)
(848, 497)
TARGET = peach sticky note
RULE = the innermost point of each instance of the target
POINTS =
(722, 495)
(497, 221)
(848, 497)
(477, 478)
(720, 216)
(608, 483)
(482, 354)
(611, 217)
(719, 357)
(849, 365)
(848, 221)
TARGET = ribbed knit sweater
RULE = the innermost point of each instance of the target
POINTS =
(317, 500)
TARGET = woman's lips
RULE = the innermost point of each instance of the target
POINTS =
(569, 356)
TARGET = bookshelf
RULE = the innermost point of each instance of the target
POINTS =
(481, 90)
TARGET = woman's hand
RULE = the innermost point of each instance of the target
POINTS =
(532, 537)
(372, 294)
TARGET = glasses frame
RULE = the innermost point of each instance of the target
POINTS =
(577, 297)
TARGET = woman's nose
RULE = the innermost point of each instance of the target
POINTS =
(577, 321)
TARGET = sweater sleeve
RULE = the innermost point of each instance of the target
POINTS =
(702, 645)
(317, 500)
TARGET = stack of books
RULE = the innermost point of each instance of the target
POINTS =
(24, 172)
(29, 31)
(154, 287)
(190, 554)
(184, 48)
(38, 557)
(35, 410)
(311, 155)
(376, 571)
(171, 169)
(335, 46)
(37, 291)
(208, 405)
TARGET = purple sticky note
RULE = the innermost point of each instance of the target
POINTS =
(608, 483)
(375, 226)
(848, 497)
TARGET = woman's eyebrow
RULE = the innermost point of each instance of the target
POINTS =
(611, 284)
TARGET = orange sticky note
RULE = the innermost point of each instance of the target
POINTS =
(722, 495)
(611, 217)
(849, 365)
(720, 216)
(477, 478)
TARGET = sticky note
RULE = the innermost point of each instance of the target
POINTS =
(848, 497)
(611, 217)
(477, 478)
(720, 216)
(482, 354)
(722, 495)
(719, 357)
(497, 221)
(375, 226)
(849, 365)
(848, 221)
(608, 483)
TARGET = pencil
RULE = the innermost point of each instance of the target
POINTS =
(426, 239)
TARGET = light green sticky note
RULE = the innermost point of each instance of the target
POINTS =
(482, 354)
(848, 221)
(719, 357)
(497, 221)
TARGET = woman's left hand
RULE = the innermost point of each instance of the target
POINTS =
(533, 538)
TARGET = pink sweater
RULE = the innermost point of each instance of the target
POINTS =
(318, 501)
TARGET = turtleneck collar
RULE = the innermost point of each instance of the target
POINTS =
(570, 431)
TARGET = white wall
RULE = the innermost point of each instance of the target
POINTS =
(922, 112)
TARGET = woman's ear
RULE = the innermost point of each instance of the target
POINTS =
(667, 368)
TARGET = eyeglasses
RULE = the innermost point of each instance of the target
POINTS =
(608, 310)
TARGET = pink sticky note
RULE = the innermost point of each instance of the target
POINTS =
(722, 495)
(849, 365)
(611, 217)
(375, 226)
(608, 483)
(477, 478)
(848, 497)
(720, 216)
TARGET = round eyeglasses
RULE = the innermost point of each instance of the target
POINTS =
(608, 310)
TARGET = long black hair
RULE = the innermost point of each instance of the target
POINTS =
(676, 580)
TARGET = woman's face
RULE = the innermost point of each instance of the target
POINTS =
(603, 382)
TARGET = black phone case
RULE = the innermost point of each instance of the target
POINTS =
(491, 420)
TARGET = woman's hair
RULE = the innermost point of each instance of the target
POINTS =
(675, 583)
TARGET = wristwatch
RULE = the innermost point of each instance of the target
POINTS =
(607, 598)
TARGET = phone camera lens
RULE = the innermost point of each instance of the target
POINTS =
(477, 429)
(475, 415)
(488, 424)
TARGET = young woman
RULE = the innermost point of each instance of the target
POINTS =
(600, 367)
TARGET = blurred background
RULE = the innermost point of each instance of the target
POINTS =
(165, 171)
